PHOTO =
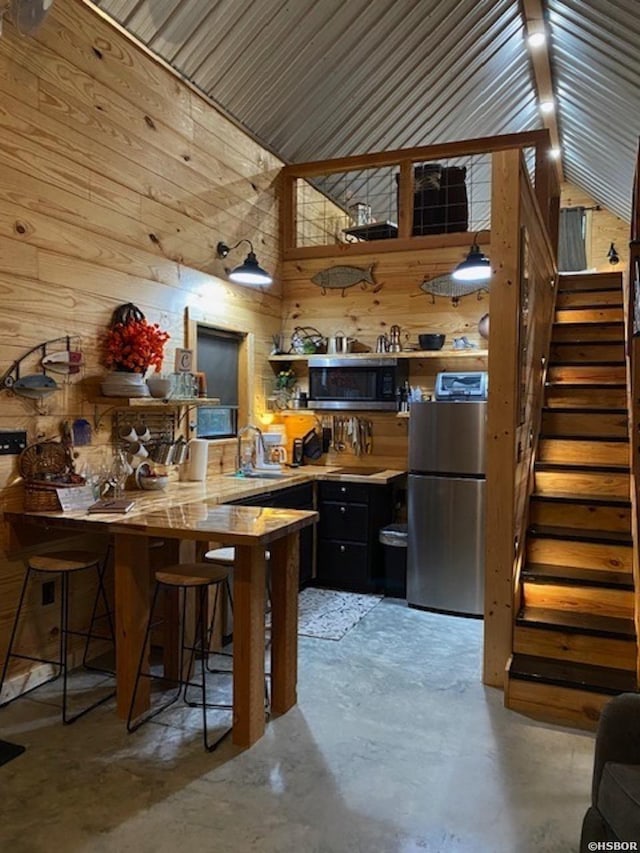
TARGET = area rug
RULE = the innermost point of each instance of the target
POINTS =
(329, 615)
(9, 751)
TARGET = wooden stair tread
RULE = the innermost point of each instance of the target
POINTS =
(573, 468)
(575, 576)
(570, 396)
(583, 363)
(608, 537)
(612, 627)
(595, 344)
(591, 305)
(596, 500)
(600, 289)
(583, 410)
(589, 280)
(596, 679)
(587, 386)
(586, 331)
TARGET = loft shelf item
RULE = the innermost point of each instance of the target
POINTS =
(373, 231)
(358, 356)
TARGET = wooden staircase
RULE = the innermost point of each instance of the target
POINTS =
(574, 636)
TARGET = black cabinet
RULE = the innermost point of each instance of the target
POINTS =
(349, 555)
(293, 497)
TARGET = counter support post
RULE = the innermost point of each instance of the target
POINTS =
(284, 613)
(248, 644)
(132, 590)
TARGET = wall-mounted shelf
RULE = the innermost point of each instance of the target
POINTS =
(155, 402)
(359, 356)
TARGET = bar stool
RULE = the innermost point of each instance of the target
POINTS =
(225, 558)
(64, 564)
(199, 577)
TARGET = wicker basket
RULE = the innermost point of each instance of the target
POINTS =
(44, 468)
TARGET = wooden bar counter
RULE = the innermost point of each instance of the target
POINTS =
(194, 518)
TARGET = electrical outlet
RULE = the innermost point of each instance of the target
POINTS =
(12, 442)
(48, 592)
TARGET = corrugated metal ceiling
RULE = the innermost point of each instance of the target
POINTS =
(596, 46)
(315, 80)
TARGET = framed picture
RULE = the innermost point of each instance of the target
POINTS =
(184, 361)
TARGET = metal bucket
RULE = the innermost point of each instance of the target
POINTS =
(162, 452)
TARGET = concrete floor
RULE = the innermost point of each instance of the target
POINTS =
(395, 747)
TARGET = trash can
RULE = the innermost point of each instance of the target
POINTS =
(393, 538)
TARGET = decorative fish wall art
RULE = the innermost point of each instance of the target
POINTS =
(342, 277)
(446, 285)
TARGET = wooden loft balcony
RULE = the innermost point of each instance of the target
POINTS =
(316, 220)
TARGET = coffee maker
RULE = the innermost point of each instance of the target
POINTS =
(270, 452)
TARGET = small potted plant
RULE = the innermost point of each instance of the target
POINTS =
(285, 383)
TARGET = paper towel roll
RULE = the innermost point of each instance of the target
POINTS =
(198, 457)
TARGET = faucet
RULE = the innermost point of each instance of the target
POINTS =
(241, 432)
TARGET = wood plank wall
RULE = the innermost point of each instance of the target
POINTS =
(366, 312)
(117, 180)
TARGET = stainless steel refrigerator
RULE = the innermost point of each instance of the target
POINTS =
(446, 495)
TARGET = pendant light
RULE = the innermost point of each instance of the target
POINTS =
(475, 267)
(249, 271)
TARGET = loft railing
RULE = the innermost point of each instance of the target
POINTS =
(318, 198)
(632, 334)
(522, 304)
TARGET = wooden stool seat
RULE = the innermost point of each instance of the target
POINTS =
(221, 555)
(226, 555)
(64, 561)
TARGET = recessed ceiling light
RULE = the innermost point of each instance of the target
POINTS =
(546, 106)
(536, 39)
(554, 153)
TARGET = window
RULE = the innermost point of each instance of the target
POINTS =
(572, 255)
(218, 356)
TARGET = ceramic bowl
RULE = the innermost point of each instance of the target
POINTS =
(431, 341)
(159, 386)
(154, 484)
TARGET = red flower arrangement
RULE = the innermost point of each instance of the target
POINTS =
(131, 343)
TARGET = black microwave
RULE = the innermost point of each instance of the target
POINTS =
(355, 383)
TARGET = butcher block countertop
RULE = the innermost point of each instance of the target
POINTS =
(224, 488)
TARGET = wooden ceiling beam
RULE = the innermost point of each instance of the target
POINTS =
(534, 21)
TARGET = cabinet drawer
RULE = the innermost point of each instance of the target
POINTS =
(343, 564)
(346, 521)
(355, 492)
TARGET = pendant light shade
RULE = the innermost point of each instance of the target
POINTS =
(475, 267)
(249, 271)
